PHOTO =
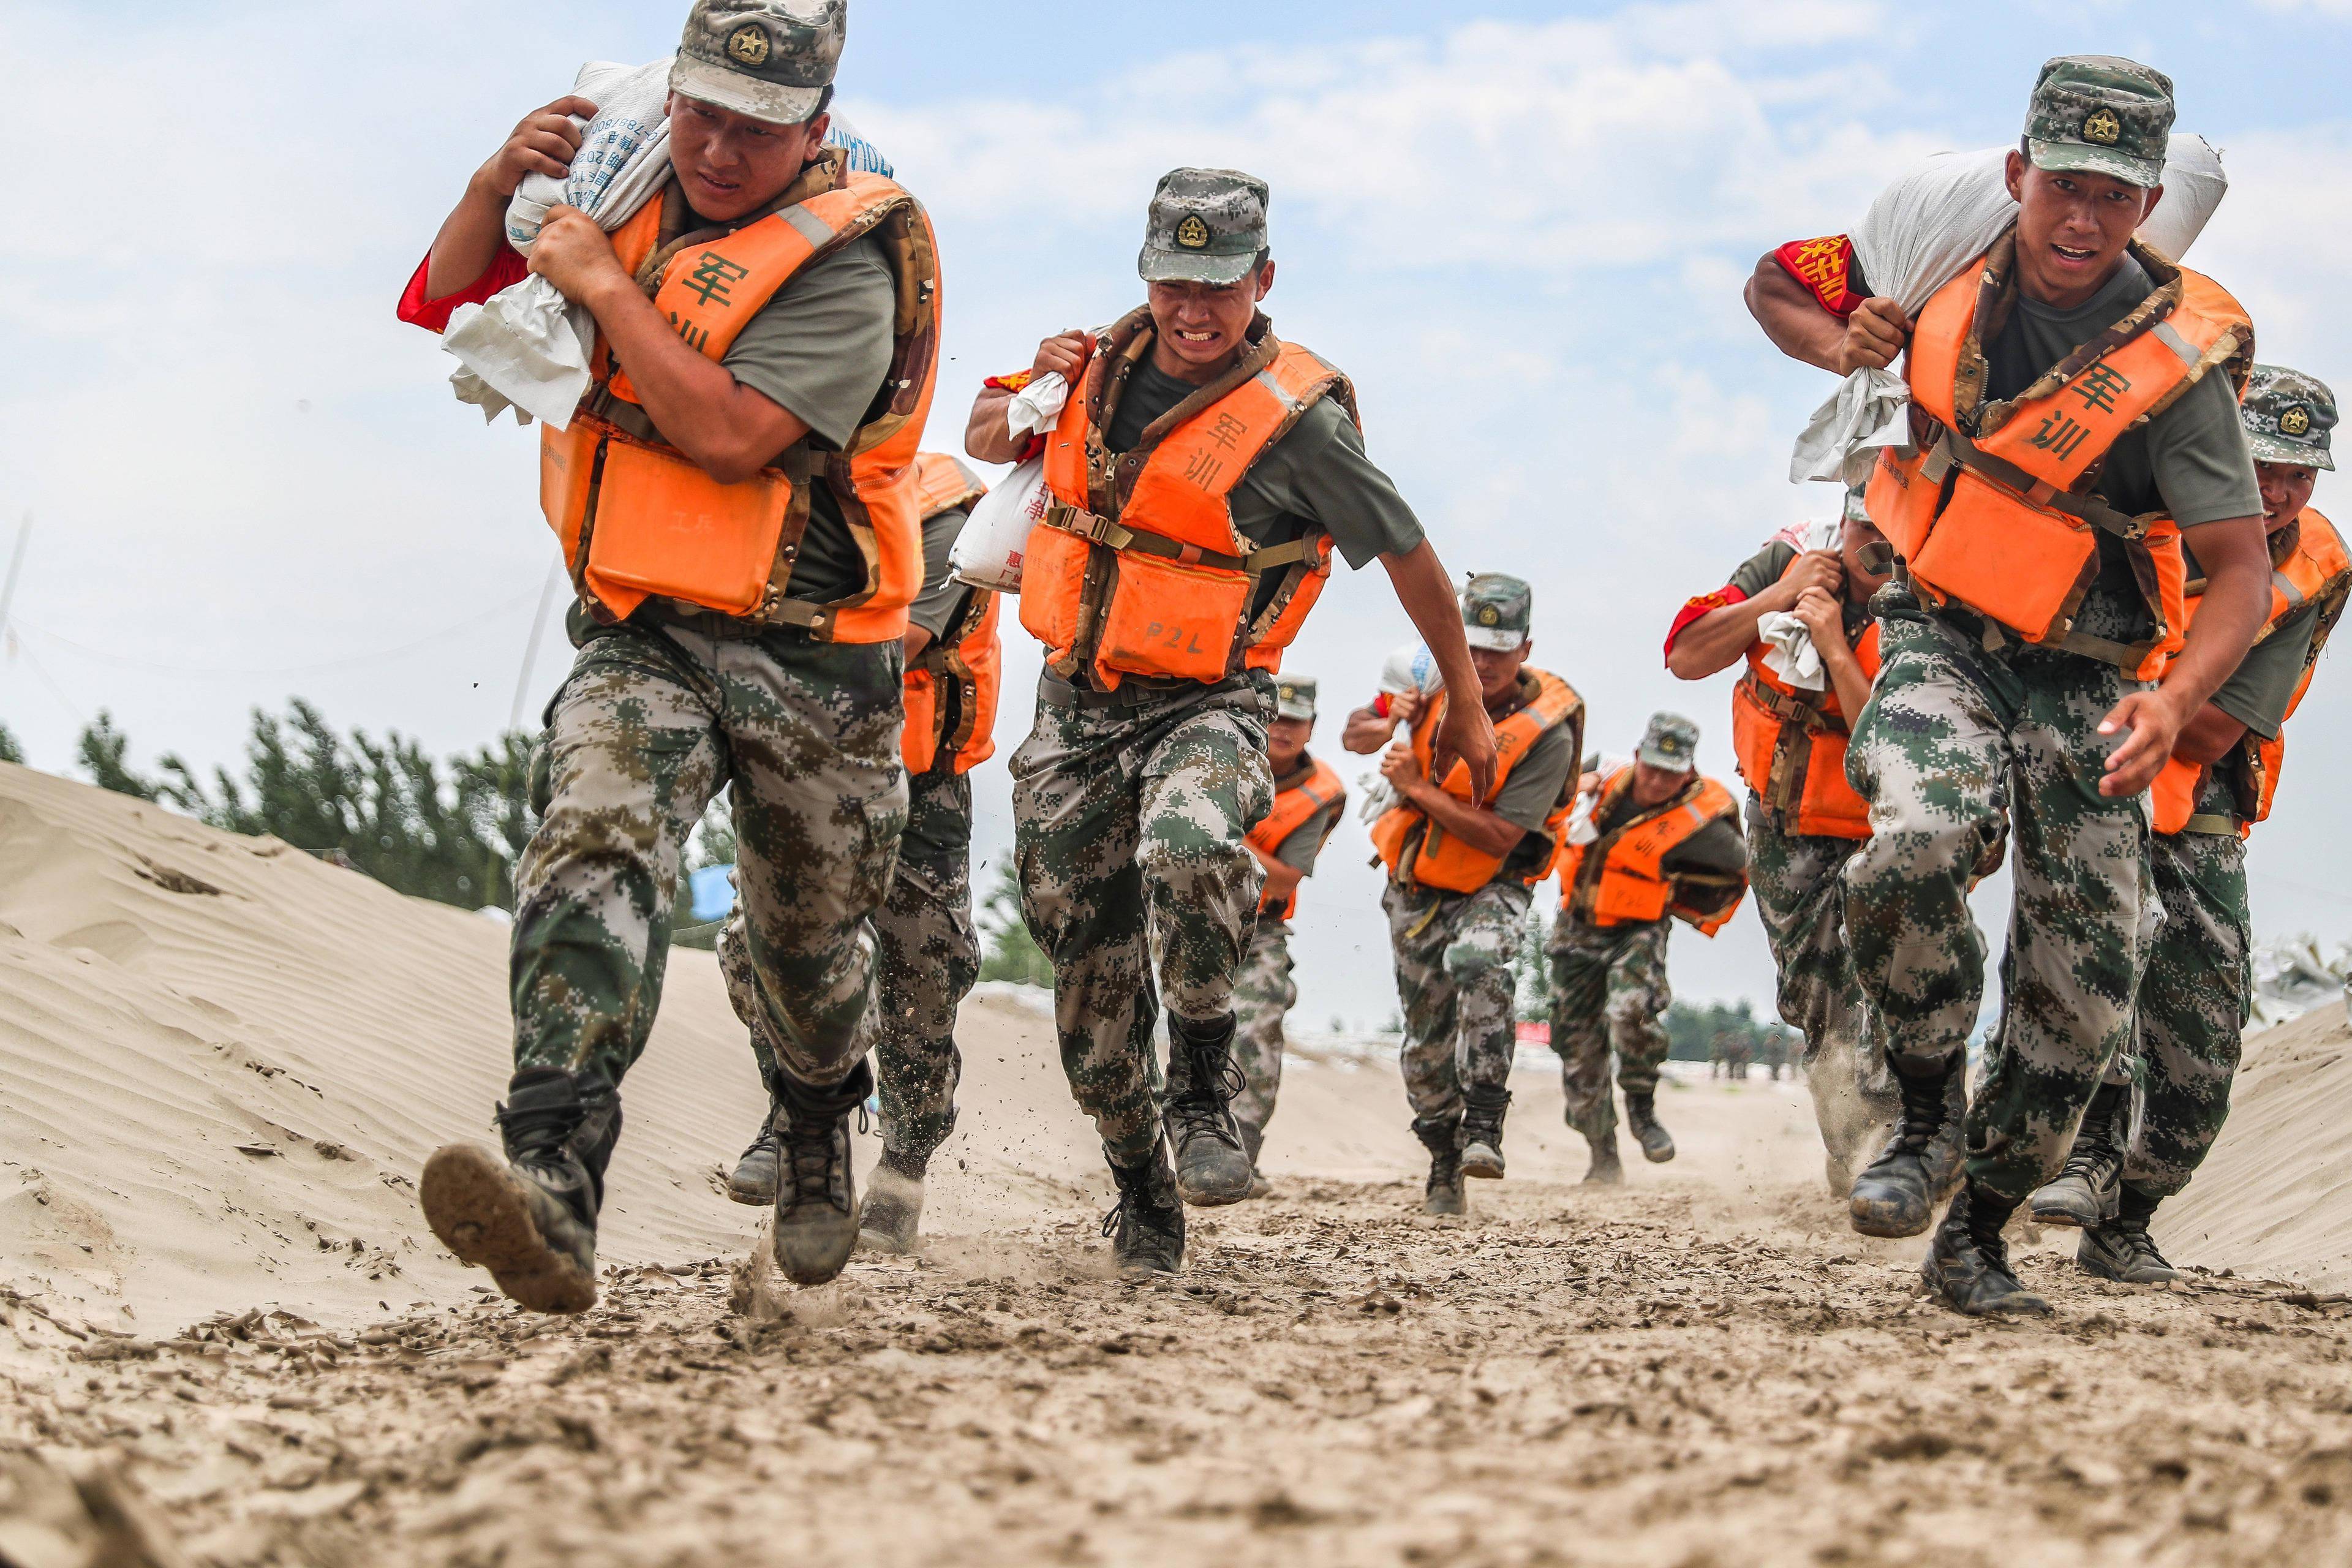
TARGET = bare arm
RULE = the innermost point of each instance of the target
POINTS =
(2208, 738)
(1873, 335)
(1281, 880)
(2236, 561)
(476, 229)
(1466, 732)
(915, 641)
(1474, 826)
(727, 429)
(1721, 638)
(986, 436)
(1367, 732)
(1845, 674)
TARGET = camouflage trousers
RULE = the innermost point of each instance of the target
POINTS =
(1455, 983)
(1607, 992)
(1129, 839)
(1802, 898)
(1263, 993)
(926, 958)
(2194, 1001)
(649, 725)
(1952, 739)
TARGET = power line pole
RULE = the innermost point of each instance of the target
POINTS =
(16, 569)
(529, 651)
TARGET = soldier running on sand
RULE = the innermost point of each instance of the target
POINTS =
(790, 399)
(1203, 473)
(1307, 800)
(2198, 993)
(1804, 820)
(2073, 415)
(927, 951)
(1462, 875)
(1653, 840)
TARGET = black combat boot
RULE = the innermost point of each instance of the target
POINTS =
(1896, 1194)
(1439, 1135)
(817, 1197)
(754, 1180)
(530, 1218)
(1212, 1166)
(2084, 1192)
(1606, 1170)
(1642, 1121)
(2121, 1248)
(1146, 1228)
(888, 1219)
(1483, 1111)
(1967, 1266)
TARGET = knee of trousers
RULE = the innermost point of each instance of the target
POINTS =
(1221, 870)
(1471, 959)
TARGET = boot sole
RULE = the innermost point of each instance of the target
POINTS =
(883, 1241)
(482, 1213)
(816, 1252)
(2025, 1304)
(1657, 1156)
(1211, 1197)
(1883, 1219)
(2065, 1217)
(751, 1197)
(1483, 1165)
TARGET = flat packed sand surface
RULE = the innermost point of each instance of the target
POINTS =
(226, 1337)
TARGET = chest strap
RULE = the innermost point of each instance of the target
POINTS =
(1116, 535)
(1791, 709)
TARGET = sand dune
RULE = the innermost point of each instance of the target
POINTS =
(2275, 1196)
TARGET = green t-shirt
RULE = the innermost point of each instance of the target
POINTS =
(1305, 841)
(2190, 462)
(1316, 477)
(943, 598)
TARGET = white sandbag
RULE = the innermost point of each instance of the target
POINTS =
(1411, 668)
(1789, 650)
(987, 554)
(1918, 235)
(527, 348)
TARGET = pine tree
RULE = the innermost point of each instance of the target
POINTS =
(1532, 968)
(9, 751)
(105, 752)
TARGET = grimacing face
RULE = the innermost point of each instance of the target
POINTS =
(1200, 328)
(1855, 538)
(1498, 669)
(728, 164)
(1657, 785)
(2286, 491)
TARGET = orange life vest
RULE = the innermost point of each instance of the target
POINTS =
(639, 521)
(1416, 850)
(965, 660)
(1619, 879)
(1293, 809)
(1135, 568)
(2318, 571)
(1993, 513)
(1792, 745)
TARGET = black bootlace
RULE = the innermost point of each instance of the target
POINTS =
(2095, 1157)
(806, 1147)
(2136, 1239)
(1135, 1203)
(539, 1136)
(1200, 1109)
(1923, 1110)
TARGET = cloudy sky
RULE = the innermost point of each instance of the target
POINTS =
(1521, 227)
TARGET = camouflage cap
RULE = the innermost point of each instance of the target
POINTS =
(1856, 509)
(1496, 611)
(1206, 226)
(771, 59)
(2288, 416)
(1294, 697)
(2102, 115)
(1670, 743)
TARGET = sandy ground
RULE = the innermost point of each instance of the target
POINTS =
(1701, 1368)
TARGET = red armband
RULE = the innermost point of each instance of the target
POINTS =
(1016, 383)
(1698, 609)
(505, 269)
(1380, 703)
(1825, 266)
